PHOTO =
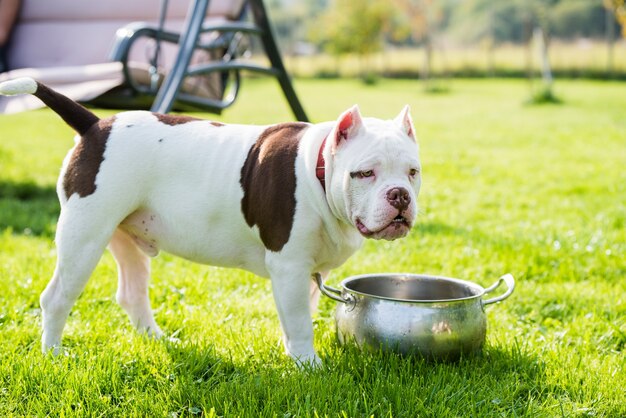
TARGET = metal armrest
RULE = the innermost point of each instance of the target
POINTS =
(124, 39)
(126, 36)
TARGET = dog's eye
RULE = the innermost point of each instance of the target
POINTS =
(413, 172)
(362, 174)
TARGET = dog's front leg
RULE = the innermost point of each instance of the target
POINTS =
(291, 289)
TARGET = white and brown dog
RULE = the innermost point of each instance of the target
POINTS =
(283, 201)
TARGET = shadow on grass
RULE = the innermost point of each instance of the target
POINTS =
(501, 381)
(500, 378)
(198, 364)
(27, 208)
(497, 361)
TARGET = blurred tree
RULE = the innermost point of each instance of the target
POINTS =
(416, 13)
(541, 10)
(577, 18)
(317, 7)
(615, 8)
(504, 20)
(618, 7)
(289, 20)
(354, 26)
(421, 20)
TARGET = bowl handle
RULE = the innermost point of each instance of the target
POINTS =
(510, 284)
(331, 292)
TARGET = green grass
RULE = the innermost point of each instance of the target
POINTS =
(538, 191)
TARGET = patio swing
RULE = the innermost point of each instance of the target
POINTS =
(206, 57)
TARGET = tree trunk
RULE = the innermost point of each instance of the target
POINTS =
(610, 42)
(427, 66)
(491, 52)
(491, 46)
(546, 71)
(529, 48)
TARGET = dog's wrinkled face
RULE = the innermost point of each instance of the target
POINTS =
(376, 175)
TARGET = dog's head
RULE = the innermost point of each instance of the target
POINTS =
(375, 173)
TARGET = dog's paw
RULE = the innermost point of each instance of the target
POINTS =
(52, 350)
(154, 332)
(307, 361)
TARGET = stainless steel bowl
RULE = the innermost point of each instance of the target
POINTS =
(437, 317)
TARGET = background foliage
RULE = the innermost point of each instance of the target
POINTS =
(465, 21)
(443, 28)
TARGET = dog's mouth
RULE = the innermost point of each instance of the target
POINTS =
(396, 228)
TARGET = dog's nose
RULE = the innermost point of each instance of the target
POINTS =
(399, 198)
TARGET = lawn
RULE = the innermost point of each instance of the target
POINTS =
(537, 191)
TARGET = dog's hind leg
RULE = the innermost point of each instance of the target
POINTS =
(79, 248)
(133, 278)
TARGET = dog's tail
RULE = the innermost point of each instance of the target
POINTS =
(72, 113)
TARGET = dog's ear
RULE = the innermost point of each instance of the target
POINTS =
(405, 122)
(347, 126)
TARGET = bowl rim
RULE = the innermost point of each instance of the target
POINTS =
(480, 291)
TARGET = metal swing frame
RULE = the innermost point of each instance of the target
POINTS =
(230, 65)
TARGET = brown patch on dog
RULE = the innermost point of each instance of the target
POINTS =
(268, 180)
(174, 120)
(84, 164)
(218, 124)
